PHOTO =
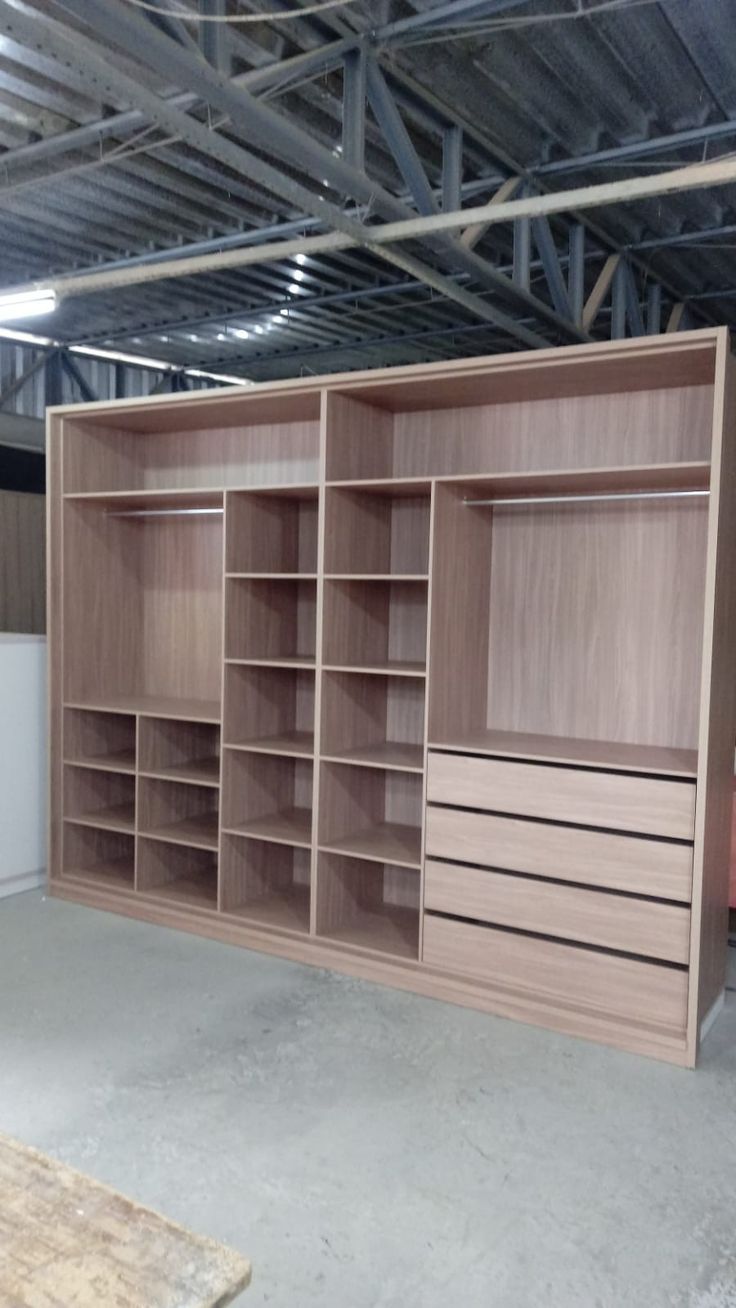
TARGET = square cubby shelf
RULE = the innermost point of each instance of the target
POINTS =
(369, 905)
(180, 751)
(271, 620)
(268, 796)
(270, 709)
(269, 884)
(272, 532)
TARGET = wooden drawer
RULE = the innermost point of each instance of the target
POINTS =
(596, 917)
(599, 799)
(595, 858)
(583, 979)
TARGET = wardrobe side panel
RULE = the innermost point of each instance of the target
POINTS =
(718, 713)
(54, 552)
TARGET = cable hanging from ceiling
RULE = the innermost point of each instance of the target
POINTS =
(189, 15)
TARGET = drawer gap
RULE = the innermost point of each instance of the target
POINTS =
(569, 826)
(675, 778)
(556, 940)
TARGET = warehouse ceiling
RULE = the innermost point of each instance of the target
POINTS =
(130, 133)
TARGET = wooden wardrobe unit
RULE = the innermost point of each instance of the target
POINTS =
(316, 689)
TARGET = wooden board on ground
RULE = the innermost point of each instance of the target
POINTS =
(68, 1242)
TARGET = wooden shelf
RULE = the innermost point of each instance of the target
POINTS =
(200, 772)
(113, 874)
(384, 842)
(199, 831)
(155, 706)
(271, 576)
(627, 477)
(391, 754)
(389, 929)
(289, 826)
(607, 755)
(118, 817)
(389, 668)
(286, 910)
(128, 501)
(287, 661)
(122, 761)
(300, 744)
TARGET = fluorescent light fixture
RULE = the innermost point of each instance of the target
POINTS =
(219, 376)
(241, 333)
(258, 329)
(284, 313)
(301, 259)
(25, 338)
(299, 275)
(294, 287)
(17, 305)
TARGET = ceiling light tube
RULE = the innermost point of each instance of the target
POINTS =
(17, 305)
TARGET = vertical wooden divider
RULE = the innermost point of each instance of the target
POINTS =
(324, 425)
(220, 854)
(55, 642)
(427, 683)
(137, 806)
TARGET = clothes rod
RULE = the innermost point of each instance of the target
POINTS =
(517, 501)
(160, 513)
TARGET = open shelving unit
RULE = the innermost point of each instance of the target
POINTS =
(422, 674)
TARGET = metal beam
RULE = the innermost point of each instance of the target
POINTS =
(471, 235)
(545, 244)
(576, 271)
(654, 309)
(446, 15)
(213, 35)
(353, 109)
(53, 380)
(398, 139)
(452, 172)
(17, 385)
(600, 290)
(72, 370)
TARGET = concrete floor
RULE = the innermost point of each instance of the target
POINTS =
(365, 1147)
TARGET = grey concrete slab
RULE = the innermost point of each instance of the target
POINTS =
(365, 1148)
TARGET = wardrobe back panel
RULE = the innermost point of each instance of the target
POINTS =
(667, 425)
(102, 603)
(607, 642)
(181, 637)
(101, 459)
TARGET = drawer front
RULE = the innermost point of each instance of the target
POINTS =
(598, 799)
(636, 926)
(647, 993)
(594, 858)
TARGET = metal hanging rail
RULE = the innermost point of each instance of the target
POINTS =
(162, 513)
(510, 502)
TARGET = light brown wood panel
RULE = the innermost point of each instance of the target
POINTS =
(638, 865)
(98, 857)
(272, 533)
(575, 431)
(461, 573)
(379, 716)
(182, 875)
(270, 707)
(22, 562)
(267, 795)
(359, 439)
(266, 883)
(605, 644)
(371, 812)
(717, 713)
(368, 905)
(592, 982)
(606, 754)
(185, 814)
(597, 799)
(185, 751)
(269, 618)
(107, 740)
(55, 639)
(103, 799)
(613, 921)
(375, 623)
(181, 570)
(376, 534)
(264, 454)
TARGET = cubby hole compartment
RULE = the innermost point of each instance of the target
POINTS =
(268, 796)
(272, 532)
(245, 440)
(376, 720)
(371, 813)
(143, 607)
(266, 883)
(183, 875)
(369, 905)
(180, 751)
(99, 858)
(100, 740)
(376, 533)
(174, 811)
(379, 625)
(99, 799)
(270, 709)
(272, 620)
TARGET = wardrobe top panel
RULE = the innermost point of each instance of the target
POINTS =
(644, 363)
